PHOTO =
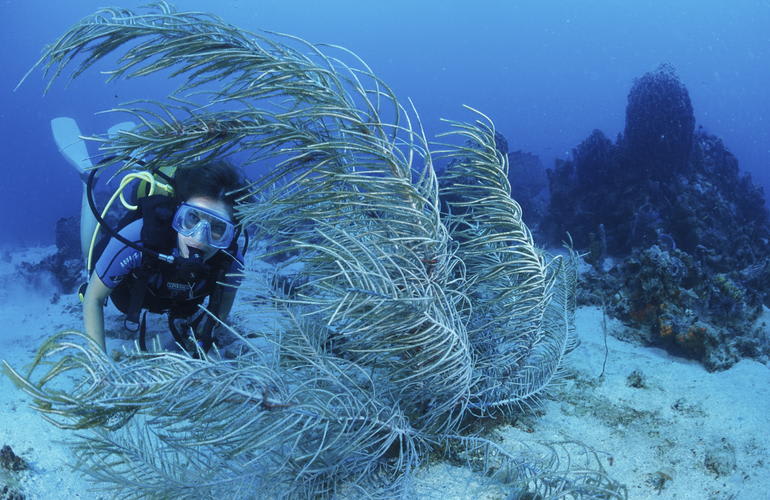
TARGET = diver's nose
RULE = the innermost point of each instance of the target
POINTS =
(202, 232)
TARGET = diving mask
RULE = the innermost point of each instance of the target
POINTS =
(204, 225)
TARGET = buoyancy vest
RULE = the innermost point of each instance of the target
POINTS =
(175, 288)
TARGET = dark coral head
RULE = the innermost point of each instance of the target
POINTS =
(659, 123)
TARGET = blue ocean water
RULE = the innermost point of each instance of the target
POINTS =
(547, 72)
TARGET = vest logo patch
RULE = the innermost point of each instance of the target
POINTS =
(131, 261)
(183, 287)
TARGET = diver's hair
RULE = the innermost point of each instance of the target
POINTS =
(219, 180)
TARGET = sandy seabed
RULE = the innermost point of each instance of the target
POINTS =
(671, 430)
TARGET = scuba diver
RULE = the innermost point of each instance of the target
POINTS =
(168, 255)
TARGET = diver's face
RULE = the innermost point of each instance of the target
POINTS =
(187, 242)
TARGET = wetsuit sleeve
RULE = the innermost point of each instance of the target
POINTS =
(118, 259)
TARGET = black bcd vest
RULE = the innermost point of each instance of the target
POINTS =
(160, 287)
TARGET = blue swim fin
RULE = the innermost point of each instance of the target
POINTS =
(71, 145)
(69, 140)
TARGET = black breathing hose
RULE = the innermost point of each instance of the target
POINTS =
(110, 230)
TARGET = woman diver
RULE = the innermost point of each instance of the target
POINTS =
(168, 256)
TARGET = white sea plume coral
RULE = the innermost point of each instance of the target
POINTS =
(402, 323)
(520, 326)
(187, 428)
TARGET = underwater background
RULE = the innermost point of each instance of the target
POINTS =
(547, 73)
(442, 310)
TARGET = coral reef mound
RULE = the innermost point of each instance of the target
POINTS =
(691, 231)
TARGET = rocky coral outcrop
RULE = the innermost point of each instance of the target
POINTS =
(66, 264)
(689, 230)
(529, 186)
(11, 461)
(670, 299)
